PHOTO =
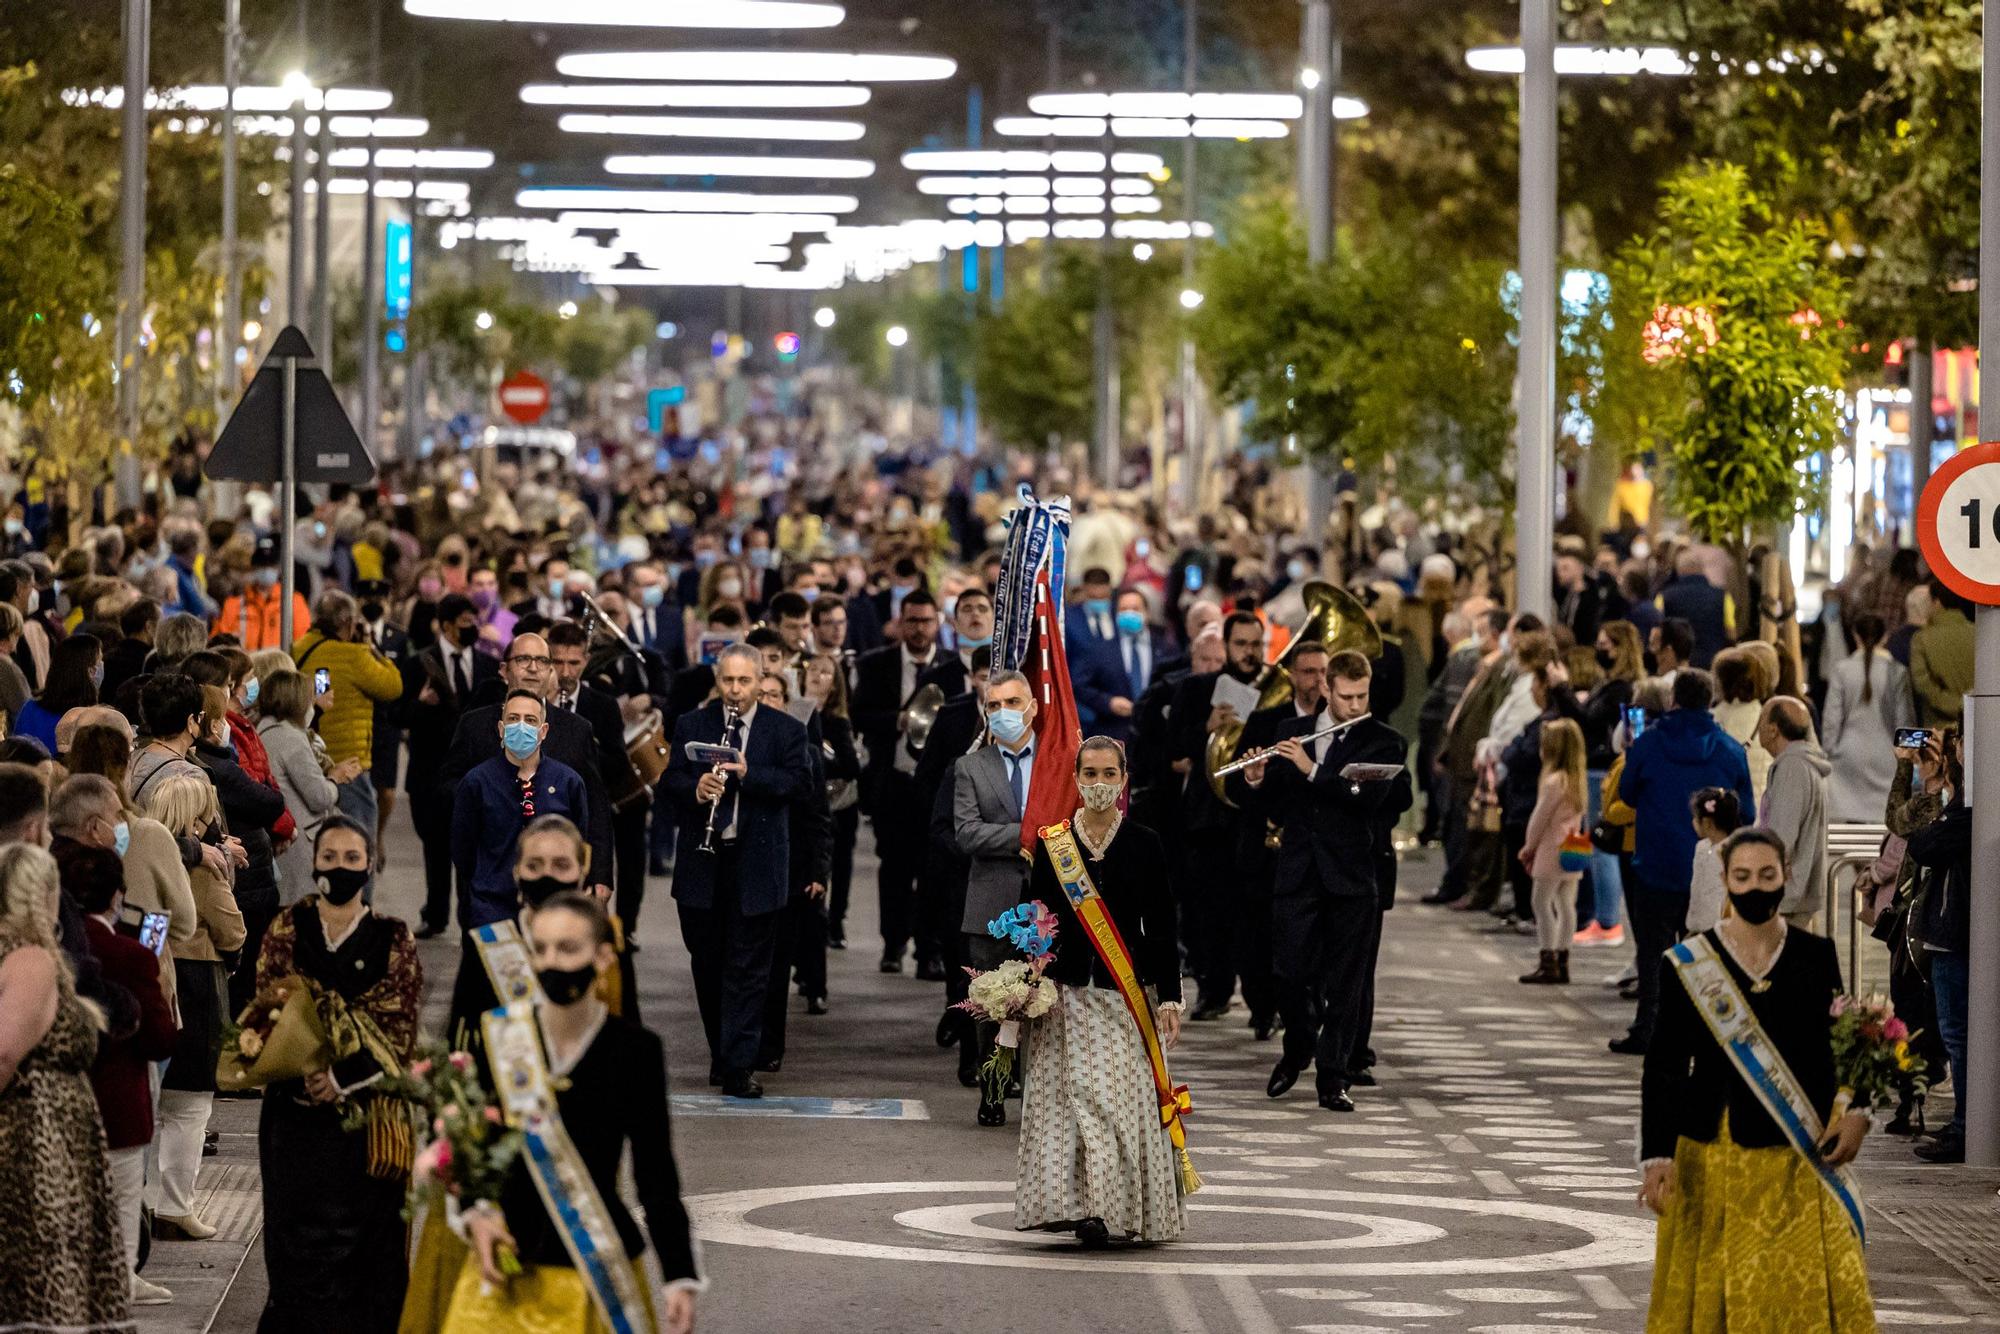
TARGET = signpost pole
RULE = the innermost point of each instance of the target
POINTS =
(288, 488)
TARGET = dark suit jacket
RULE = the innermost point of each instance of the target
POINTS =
(607, 725)
(570, 742)
(948, 673)
(878, 702)
(430, 727)
(1332, 826)
(666, 635)
(779, 772)
(1187, 738)
(1146, 750)
(865, 619)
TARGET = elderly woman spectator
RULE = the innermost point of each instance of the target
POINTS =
(284, 707)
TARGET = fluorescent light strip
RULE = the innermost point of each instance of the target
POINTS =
(714, 127)
(756, 278)
(449, 191)
(756, 66)
(249, 97)
(695, 96)
(680, 201)
(1049, 127)
(1660, 61)
(404, 159)
(726, 224)
(757, 14)
(344, 127)
(1027, 160)
(698, 164)
(1176, 106)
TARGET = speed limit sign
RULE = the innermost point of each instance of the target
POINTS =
(1958, 524)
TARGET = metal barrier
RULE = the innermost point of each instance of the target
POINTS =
(1849, 848)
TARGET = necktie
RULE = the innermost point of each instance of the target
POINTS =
(1132, 665)
(732, 737)
(458, 673)
(1014, 781)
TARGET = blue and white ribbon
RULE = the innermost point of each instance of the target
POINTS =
(1037, 535)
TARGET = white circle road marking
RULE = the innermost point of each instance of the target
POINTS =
(1408, 1178)
(1404, 1309)
(1321, 1294)
(959, 1220)
(724, 1219)
(1524, 1296)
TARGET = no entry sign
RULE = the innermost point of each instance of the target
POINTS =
(524, 396)
(1958, 523)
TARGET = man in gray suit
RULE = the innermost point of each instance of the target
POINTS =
(989, 790)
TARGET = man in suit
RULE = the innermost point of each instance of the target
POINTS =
(989, 794)
(791, 616)
(829, 635)
(972, 630)
(1208, 827)
(568, 653)
(1140, 651)
(1326, 896)
(728, 897)
(656, 617)
(437, 685)
(1256, 863)
(638, 679)
(1096, 671)
(885, 678)
(570, 742)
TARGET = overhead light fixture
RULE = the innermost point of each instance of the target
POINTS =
(1190, 299)
(680, 201)
(824, 317)
(704, 164)
(1050, 127)
(715, 225)
(713, 127)
(896, 335)
(447, 191)
(683, 96)
(249, 97)
(1075, 161)
(1662, 61)
(380, 127)
(764, 14)
(406, 159)
(1178, 106)
(757, 66)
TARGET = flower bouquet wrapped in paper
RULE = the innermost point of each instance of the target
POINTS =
(280, 1035)
(1014, 991)
(1871, 1053)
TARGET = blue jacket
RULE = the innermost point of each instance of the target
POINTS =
(778, 777)
(1671, 761)
(1705, 608)
(486, 822)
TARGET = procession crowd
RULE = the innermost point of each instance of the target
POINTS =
(581, 675)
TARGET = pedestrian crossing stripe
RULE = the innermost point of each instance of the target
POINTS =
(859, 1109)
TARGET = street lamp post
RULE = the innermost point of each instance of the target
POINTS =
(230, 326)
(132, 225)
(1535, 426)
(1104, 349)
(1191, 440)
(322, 298)
(1319, 83)
(371, 277)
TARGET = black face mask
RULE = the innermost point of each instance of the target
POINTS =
(341, 884)
(371, 611)
(1606, 658)
(566, 986)
(1756, 906)
(540, 889)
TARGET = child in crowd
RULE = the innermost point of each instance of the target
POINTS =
(1559, 805)
(1716, 816)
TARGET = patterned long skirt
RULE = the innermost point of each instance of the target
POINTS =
(1751, 1243)
(1091, 1141)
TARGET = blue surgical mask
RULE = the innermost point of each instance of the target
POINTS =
(520, 739)
(1131, 623)
(556, 587)
(97, 675)
(1007, 724)
(121, 837)
(652, 595)
(1097, 606)
(251, 689)
(968, 643)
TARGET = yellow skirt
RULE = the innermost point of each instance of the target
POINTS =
(1752, 1243)
(542, 1299)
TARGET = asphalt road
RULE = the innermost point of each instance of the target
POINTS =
(1486, 1185)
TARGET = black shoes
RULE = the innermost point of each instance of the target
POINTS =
(968, 1064)
(1947, 1146)
(772, 1066)
(1092, 1235)
(1283, 1076)
(1336, 1101)
(430, 931)
(892, 965)
(815, 1005)
(836, 939)
(930, 970)
(714, 1077)
(1208, 1010)
(659, 866)
(743, 1085)
(1629, 1045)
(1262, 1029)
(1361, 1078)
(992, 1113)
(947, 1029)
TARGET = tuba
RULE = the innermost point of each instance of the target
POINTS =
(1335, 619)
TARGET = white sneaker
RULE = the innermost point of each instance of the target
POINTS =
(145, 1293)
(1629, 973)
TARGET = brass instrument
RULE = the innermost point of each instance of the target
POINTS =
(1334, 618)
(920, 715)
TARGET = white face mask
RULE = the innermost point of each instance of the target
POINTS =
(729, 588)
(1100, 796)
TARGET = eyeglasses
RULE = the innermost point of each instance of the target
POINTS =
(532, 660)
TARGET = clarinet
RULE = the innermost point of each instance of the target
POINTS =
(729, 719)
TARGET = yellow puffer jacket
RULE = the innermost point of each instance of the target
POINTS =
(361, 678)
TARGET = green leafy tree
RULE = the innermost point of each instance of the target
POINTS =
(1742, 326)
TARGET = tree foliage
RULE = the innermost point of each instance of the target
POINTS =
(1743, 326)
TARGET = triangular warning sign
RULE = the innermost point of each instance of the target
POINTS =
(327, 448)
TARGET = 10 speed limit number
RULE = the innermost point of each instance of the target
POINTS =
(1958, 523)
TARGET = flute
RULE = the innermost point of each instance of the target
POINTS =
(729, 717)
(1259, 756)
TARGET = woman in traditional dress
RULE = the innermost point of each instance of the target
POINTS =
(1095, 1159)
(334, 1236)
(1752, 1236)
(611, 1092)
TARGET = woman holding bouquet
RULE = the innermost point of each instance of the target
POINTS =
(334, 1236)
(610, 1082)
(1094, 1158)
(1759, 1226)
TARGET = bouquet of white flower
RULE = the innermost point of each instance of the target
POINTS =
(1014, 991)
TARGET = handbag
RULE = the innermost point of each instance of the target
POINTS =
(1607, 837)
(1575, 854)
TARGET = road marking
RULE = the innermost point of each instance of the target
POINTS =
(1422, 1107)
(1603, 1291)
(856, 1109)
(1495, 1181)
(1458, 1144)
(1178, 1302)
(1247, 1306)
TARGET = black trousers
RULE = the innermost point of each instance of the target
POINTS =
(937, 914)
(259, 911)
(900, 836)
(1362, 1054)
(628, 842)
(431, 814)
(1252, 874)
(1210, 911)
(1658, 920)
(1322, 956)
(729, 954)
(846, 828)
(798, 940)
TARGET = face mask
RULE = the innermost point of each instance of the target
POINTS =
(483, 598)
(520, 739)
(430, 590)
(1007, 724)
(1756, 906)
(251, 689)
(968, 643)
(97, 676)
(340, 884)
(652, 595)
(760, 558)
(371, 611)
(566, 986)
(540, 889)
(1131, 623)
(731, 587)
(1506, 641)
(1606, 658)
(1100, 796)
(1097, 606)
(121, 837)
(810, 593)
(1641, 550)
(704, 559)
(34, 600)
(1295, 570)
(267, 578)
(556, 586)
